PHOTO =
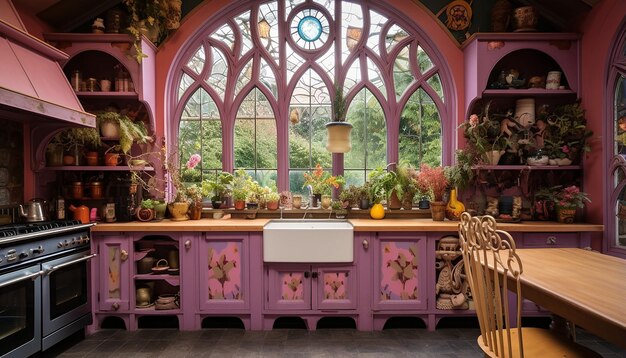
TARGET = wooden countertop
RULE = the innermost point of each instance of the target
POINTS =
(388, 225)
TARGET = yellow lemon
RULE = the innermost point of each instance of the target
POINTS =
(377, 211)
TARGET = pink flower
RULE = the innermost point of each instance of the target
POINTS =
(473, 120)
(565, 149)
(193, 161)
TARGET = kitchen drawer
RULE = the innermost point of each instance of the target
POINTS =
(551, 239)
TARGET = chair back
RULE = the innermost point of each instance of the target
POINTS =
(480, 243)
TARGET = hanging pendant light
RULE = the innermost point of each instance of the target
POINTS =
(264, 29)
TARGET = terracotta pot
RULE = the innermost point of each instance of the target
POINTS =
(394, 201)
(240, 204)
(91, 158)
(145, 214)
(525, 19)
(272, 205)
(296, 201)
(112, 159)
(438, 210)
(326, 201)
(565, 214)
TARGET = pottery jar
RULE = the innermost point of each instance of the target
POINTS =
(144, 266)
(77, 190)
(96, 189)
(296, 201)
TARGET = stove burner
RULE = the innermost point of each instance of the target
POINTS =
(18, 229)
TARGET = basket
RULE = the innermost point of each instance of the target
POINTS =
(161, 267)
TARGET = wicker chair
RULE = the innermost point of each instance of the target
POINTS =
(482, 242)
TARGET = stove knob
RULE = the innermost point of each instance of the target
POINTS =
(23, 255)
(37, 250)
(60, 244)
(66, 243)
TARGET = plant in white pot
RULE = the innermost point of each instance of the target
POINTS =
(339, 130)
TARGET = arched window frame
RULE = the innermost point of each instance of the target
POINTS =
(174, 105)
(616, 163)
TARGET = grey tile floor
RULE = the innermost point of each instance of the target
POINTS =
(323, 343)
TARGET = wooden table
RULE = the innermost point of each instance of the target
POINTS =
(584, 287)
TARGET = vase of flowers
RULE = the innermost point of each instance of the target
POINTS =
(321, 182)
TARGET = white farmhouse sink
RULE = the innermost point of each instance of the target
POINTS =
(308, 241)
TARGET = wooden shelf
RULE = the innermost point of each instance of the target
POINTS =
(527, 167)
(527, 92)
(107, 95)
(104, 168)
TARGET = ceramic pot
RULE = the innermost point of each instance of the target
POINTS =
(91, 158)
(272, 205)
(492, 157)
(112, 159)
(110, 130)
(438, 210)
(565, 214)
(195, 210)
(216, 204)
(325, 202)
(145, 214)
(407, 200)
(424, 203)
(455, 208)
(525, 111)
(296, 201)
(159, 210)
(394, 201)
(144, 266)
(179, 210)
(525, 19)
(315, 199)
(364, 204)
(339, 137)
(143, 296)
(240, 204)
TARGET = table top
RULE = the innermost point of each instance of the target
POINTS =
(389, 225)
(582, 286)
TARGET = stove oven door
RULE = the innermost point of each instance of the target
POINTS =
(66, 304)
(20, 312)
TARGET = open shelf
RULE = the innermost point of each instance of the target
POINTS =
(107, 95)
(117, 168)
(527, 167)
(532, 92)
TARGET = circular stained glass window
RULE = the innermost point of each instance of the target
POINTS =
(310, 29)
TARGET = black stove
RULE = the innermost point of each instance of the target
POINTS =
(21, 243)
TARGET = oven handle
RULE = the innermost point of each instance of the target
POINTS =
(54, 268)
(23, 278)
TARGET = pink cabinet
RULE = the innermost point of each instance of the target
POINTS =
(223, 271)
(311, 287)
(400, 271)
(113, 270)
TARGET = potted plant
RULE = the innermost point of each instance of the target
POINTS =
(434, 180)
(73, 141)
(382, 183)
(405, 187)
(218, 189)
(566, 201)
(194, 196)
(114, 125)
(146, 210)
(272, 200)
(240, 189)
(349, 196)
(339, 209)
(338, 129)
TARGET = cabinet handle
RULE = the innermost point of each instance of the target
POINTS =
(314, 274)
(307, 274)
(188, 244)
(115, 306)
(551, 240)
(124, 255)
(366, 244)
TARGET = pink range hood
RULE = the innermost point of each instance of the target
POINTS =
(33, 86)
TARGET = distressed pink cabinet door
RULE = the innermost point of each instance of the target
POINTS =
(289, 287)
(112, 274)
(335, 287)
(400, 273)
(223, 271)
